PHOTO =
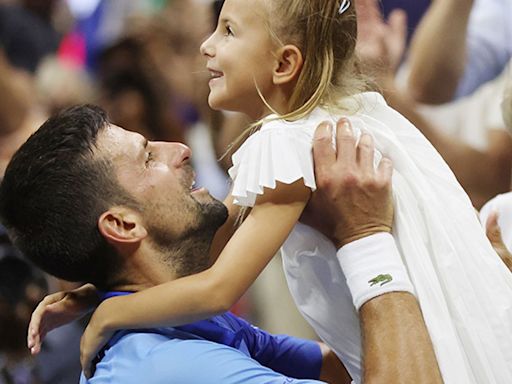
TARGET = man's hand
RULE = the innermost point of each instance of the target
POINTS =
(353, 199)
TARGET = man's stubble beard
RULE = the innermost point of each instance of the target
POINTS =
(188, 253)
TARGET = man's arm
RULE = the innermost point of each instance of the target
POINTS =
(351, 193)
(438, 51)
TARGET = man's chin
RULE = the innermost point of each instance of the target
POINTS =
(214, 213)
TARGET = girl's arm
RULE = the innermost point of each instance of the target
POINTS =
(227, 230)
(210, 292)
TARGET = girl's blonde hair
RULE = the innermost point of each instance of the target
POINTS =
(327, 40)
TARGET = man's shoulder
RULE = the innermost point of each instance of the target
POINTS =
(153, 355)
(142, 345)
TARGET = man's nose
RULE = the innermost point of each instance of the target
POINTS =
(180, 154)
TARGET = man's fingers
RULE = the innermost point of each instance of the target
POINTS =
(323, 152)
(365, 153)
(385, 170)
(345, 142)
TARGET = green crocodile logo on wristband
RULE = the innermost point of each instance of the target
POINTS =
(381, 279)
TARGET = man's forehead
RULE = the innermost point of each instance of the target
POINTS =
(116, 142)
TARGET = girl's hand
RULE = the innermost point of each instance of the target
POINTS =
(57, 310)
(96, 335)
(494, 235)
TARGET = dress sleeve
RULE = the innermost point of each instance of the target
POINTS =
(279, 151)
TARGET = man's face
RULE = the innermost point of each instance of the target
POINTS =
(159, 176)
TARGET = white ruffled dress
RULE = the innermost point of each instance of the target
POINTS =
(464, 289)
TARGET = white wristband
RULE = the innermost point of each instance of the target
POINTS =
(373, 266)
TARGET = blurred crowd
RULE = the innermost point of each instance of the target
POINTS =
(444, 64)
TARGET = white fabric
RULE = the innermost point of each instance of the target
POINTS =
(502, 204)
(489, 43)
(372, 267)
(464, 290)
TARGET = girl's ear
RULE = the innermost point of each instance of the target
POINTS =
(288, 66)
(121, 226)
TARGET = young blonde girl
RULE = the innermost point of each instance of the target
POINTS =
(290, 64)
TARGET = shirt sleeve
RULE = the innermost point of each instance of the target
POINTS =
(287, 355)
(184, 361)
(199, 361)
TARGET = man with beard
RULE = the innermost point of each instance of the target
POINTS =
(88, 201)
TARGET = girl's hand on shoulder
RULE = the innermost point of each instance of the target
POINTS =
(59, 309)
(94, 338)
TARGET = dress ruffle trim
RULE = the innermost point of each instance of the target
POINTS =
(280, 152)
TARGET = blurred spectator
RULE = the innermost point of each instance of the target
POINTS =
(506, 105)
(459, 45)
(470, 135)
(21, 288)
(18, 116)
(414, 10)
(135, 94)
(25, 37)
(101, 23)
(61, 84)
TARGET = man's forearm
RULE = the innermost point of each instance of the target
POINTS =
(396, 345)
(438, 51)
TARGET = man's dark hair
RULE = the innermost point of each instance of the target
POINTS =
(53, 193)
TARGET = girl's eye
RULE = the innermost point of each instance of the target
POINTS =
(228, 31)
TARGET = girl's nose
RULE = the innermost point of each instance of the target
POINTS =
(206, 48)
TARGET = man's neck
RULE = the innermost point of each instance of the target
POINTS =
(149, 265)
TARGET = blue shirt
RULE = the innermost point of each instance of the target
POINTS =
(224, 349)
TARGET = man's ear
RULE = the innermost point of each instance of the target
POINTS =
(119, 225)
(288, 66)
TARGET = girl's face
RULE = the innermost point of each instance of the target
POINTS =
(240, 59)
